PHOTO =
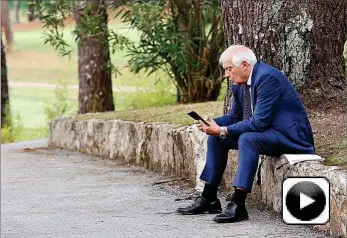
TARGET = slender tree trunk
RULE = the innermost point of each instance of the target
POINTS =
(94, 70)
(6, 24)
(4, 88)
(178, 98)
(17, 9)
(31, 13)
(305, 39)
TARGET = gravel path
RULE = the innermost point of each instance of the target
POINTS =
(58, 193)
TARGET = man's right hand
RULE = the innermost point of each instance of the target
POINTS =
(200, 124)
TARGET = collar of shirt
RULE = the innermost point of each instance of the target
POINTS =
(249, 81)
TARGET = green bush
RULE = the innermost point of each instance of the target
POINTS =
(182, 39)
(13, 128)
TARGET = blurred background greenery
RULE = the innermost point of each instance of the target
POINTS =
(40, 81)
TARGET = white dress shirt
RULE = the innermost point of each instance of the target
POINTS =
(249, 81)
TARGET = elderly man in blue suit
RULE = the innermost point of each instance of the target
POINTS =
(267, 117)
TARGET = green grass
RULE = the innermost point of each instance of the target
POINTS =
(334, 161)
(31, 41)
(29, 103)
(43, 65)
(175, 114)
(33, 134)
(124, 101)
(47, 76)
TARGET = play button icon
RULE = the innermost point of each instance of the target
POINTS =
(305, 200)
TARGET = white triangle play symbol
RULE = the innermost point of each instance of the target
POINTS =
(305, 201)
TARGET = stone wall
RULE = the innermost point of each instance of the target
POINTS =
(181, 151)
(158, 147)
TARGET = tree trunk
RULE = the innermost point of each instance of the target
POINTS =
(304, 39)
(17, 9)
(6, 24)
(31, 12)
(94, 70)
(4, 89)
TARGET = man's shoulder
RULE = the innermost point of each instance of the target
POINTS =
(264, 70)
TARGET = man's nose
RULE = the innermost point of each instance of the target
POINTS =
(227, 76)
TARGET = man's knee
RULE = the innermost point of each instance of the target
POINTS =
(215, 146)
(247, 139)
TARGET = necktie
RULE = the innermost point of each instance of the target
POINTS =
(247, 110)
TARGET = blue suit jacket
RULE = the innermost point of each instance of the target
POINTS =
(276, 105)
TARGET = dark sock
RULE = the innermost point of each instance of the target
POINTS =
(239, 197)
(210, 192)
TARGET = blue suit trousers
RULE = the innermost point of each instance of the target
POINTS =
(249, 145)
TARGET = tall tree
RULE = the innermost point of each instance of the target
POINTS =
(4, 89)
(94, 63)
(183, 38)
(92, 36)
(305, 39)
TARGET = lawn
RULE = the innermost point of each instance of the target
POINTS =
(33, 65)
(174, 114)
(41, 63)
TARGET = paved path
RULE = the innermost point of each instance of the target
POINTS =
(58, 193)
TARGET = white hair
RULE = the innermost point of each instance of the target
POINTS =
(238, 54)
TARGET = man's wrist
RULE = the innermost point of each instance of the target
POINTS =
(223, 131)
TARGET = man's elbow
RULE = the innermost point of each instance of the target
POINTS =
(261, 125)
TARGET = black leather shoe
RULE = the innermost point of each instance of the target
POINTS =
(233, 213)
(200, 206)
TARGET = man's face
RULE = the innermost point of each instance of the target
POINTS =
(237, 74)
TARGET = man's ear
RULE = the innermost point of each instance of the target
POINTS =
(244, 65)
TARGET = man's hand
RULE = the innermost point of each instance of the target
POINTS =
(212, 130)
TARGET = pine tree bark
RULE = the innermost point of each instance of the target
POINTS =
(94, 71)
(304, 39)
(4, 88)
